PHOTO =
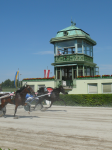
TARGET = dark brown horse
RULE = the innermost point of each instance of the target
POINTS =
(18, 99)
(53, 96)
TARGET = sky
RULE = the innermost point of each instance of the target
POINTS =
(26, 27)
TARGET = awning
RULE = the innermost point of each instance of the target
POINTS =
(65, 65)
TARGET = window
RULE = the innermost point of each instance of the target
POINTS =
(107, 88)
(88, 48)
(88, 71)
(85, 72)
(92, 71)
(65, 33)
(92, 88)
(39, 86)
(80, 70)
(58, 72)
(79, 47)
(66, 43)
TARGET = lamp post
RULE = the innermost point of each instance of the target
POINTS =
(20, 81)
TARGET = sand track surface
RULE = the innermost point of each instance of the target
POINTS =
(57, 128)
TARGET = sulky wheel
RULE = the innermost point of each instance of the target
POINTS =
(27, 107)
(38, 107)
(4, 110)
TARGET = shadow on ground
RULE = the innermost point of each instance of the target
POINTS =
(12, 116)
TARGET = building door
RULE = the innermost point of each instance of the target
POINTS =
(75, 74)
(67, 73)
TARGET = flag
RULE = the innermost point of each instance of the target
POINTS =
(48, 73)
(44, 73)
(15, 80)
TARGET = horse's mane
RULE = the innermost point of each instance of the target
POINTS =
(21, 89)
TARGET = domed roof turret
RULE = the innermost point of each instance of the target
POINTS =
(72, 32)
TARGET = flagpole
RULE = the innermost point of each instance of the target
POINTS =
(18, 78)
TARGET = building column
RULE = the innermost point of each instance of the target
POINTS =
(83, 70)
(77, 70)
(60, 74)
(72, 73)
(56, 73)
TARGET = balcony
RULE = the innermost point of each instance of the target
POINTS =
(73, 57)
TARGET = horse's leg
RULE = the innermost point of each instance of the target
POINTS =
(51, 104)
(15, 109)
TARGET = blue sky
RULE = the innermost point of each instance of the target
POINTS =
(26, 27)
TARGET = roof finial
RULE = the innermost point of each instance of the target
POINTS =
(73, 23)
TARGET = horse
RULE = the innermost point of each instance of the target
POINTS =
(53, 96)
(18, 99)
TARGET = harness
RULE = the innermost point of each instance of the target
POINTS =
(6, 96)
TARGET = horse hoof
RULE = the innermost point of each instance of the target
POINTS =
(16, 117)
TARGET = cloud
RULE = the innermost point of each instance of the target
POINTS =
(44, 52)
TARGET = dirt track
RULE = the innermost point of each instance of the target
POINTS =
(58, 128)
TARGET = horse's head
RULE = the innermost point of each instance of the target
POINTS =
(28, 89)
(62, 90)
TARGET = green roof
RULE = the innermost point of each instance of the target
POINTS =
(72, 32)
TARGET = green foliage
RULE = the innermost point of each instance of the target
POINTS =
(86, 100)
(7, 83)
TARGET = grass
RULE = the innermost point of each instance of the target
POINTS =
(9, 89)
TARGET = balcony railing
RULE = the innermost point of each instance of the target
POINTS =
(73, 57)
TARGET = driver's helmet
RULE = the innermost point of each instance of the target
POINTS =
(49, 89)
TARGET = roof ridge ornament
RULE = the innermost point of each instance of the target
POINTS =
(73, 23)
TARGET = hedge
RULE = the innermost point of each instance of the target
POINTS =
(86, 100)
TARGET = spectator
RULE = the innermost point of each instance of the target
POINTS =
(59, 53)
